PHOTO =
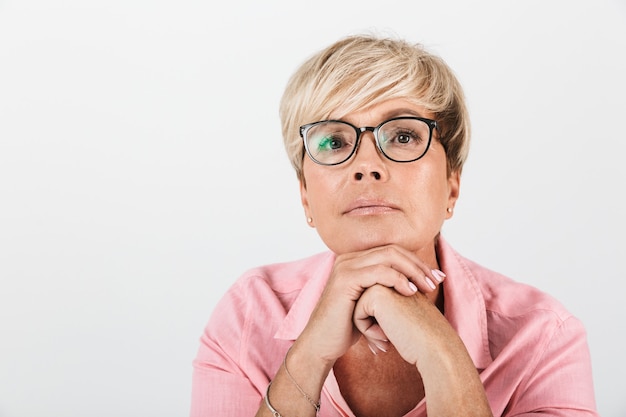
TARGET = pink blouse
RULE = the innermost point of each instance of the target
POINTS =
(531, 353)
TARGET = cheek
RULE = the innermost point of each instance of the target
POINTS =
(436, 168)
(318, 187)
(428, 188)
(320, 196)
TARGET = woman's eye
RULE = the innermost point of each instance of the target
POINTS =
(330, 143)
(404, 138)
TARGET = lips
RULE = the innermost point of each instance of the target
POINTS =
(365, 206)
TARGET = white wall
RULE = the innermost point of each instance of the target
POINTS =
(124, 215)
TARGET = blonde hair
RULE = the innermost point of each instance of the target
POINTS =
(359, 71)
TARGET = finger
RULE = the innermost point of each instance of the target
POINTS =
(403, 261)
(426, 278)
(386, 276)
(373, 331)
(375, 337)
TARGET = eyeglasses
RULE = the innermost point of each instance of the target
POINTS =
(401, 139)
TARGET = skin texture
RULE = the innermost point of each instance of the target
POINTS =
(408, 201)
(382, 305)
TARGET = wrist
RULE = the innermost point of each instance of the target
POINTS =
(304, 359)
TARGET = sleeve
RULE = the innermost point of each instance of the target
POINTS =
(219, 386)
(561, 384)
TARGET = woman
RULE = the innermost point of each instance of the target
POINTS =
(391, 321)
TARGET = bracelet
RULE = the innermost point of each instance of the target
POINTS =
(315, 404)
(267, 402)
(275, 413)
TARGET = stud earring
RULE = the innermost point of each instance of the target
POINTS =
(310, 220)
(449, 209)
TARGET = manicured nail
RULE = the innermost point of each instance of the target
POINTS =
(380, 347)
(430, 283)
(438, 275)
(372, 349)
(412, 287)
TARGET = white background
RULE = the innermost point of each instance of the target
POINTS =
(142, 171)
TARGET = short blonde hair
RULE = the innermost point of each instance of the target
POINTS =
(359, 71)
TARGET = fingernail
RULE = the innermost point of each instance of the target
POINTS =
(380, 347)
(430, 283)
(372, 349)
(438, 275)
(412, 287)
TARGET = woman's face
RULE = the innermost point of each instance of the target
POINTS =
(369, 200)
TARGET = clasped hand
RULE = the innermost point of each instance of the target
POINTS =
(381, 294)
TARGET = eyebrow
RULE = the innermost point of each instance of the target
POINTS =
(401, 112)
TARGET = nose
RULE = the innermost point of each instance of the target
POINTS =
(368, 162)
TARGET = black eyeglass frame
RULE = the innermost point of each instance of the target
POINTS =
(432, 125)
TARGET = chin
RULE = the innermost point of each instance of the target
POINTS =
(345, 241)
(363, 241)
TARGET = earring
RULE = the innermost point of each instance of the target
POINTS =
(449, 209)
(310, 220)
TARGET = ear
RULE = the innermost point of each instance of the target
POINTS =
(454, 185)
(305, 202)
(303, 197)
